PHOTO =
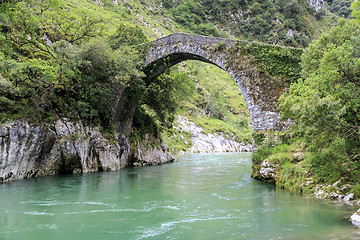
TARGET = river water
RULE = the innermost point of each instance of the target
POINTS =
(200, 196)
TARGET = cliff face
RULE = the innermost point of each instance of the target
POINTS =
(66, 147)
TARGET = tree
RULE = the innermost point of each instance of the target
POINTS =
(355, 7)
(341, 8)
(127, 35)
(37, 25)
(166, 92)
(101, 71)
(325, 103)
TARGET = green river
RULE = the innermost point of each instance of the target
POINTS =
(200, 196)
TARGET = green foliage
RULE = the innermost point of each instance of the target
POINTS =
(101, 72)
(325, 103)
(177, 141)
(292, 9)
(355, 7)
(30, 83)
(37, 25)
(165, 93)
(327, 99)
(127, 35)
(341, 8)
(53, 64)
(168, 3)
(143, 123)
(267, 21)
(191, 14)
(332, 159)
(292, 177)
(274, 146)
(8, 95)
(279, 63)
(214, 109)
(356, 190)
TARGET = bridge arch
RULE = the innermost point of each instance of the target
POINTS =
(260, 91)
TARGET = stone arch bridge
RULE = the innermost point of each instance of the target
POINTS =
(261, 71)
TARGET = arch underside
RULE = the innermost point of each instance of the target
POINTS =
(159, 66)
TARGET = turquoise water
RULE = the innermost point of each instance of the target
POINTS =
(200, 196)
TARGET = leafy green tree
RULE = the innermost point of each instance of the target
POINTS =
(37, 25)
(165, 93)
(292, 8)
(355, 7)
(168, 3)
(101, 72)
(35, 79)
(61, 69)
(341, 8)
(127, 35)
(325, 103)
(8, 95)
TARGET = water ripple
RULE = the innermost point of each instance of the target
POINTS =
(35, 213)
(168, 226)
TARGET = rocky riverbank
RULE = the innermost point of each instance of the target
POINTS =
(339, 191)
(269, 172)
(28, 150)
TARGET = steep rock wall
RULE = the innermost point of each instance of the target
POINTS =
(28, 151)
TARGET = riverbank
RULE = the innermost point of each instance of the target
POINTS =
(285, 162)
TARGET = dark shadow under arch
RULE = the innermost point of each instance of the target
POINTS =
(160, 65)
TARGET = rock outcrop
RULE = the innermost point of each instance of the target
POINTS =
(355, 218)
(317, 4)
(207, 142)
(28, 151)
(267, 172)
(150, 151)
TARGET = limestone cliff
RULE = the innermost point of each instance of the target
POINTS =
(65, 147)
